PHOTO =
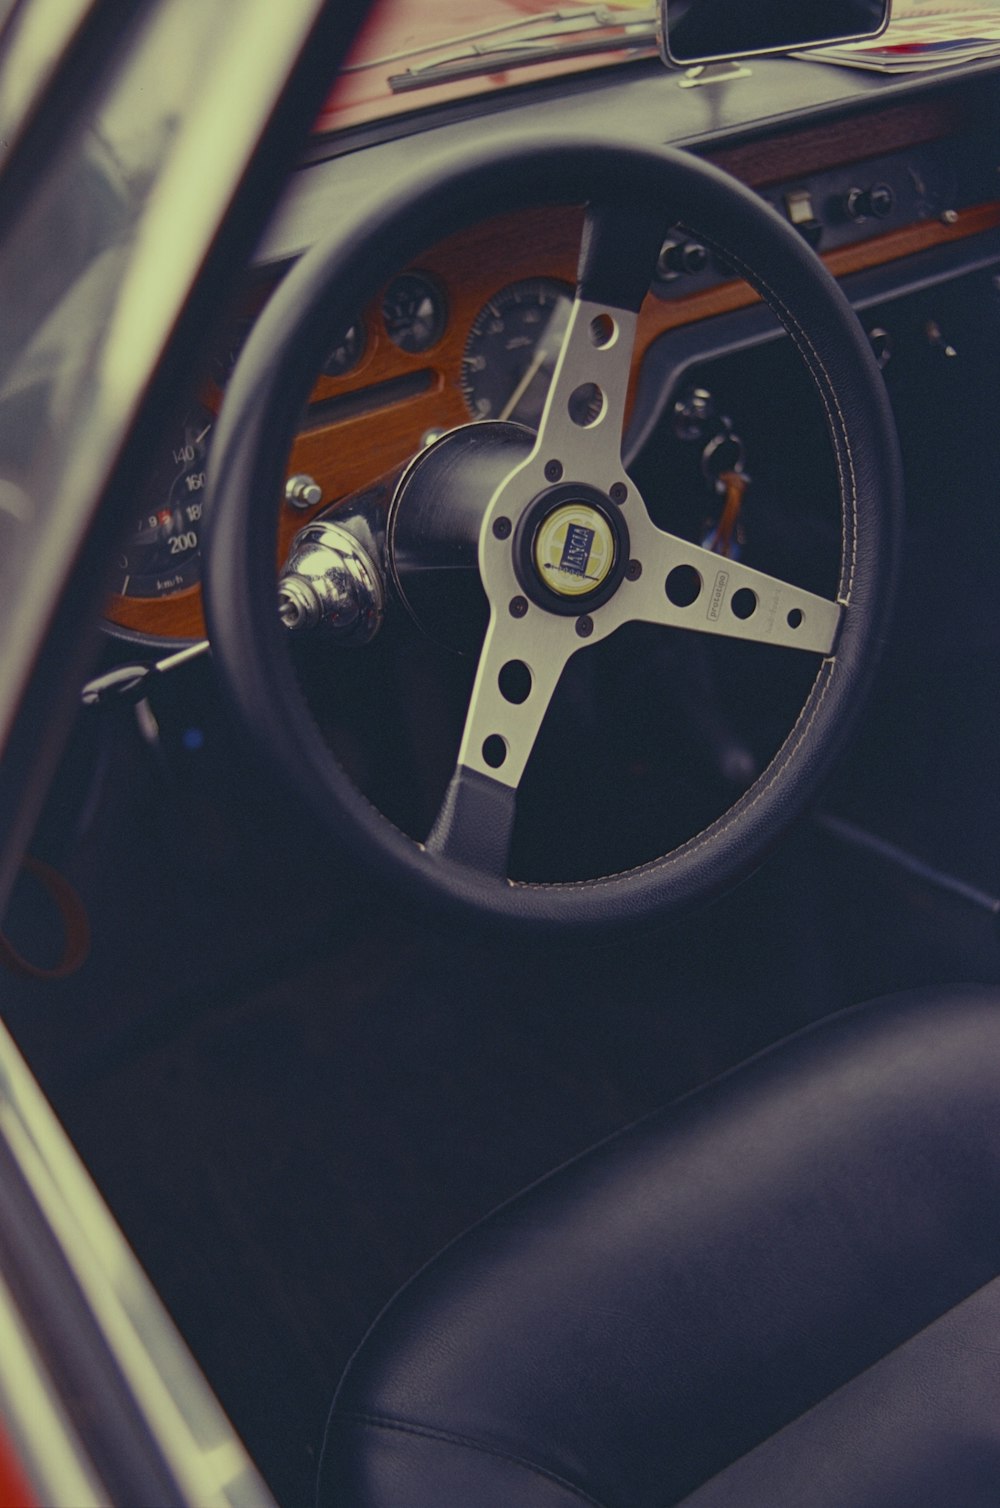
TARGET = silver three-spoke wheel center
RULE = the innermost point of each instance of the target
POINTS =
(568, 553)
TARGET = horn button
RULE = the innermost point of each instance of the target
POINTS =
(571, 548)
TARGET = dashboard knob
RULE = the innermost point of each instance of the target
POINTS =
(303, 491)
(875, 202)
(681, 256)
(881, 344)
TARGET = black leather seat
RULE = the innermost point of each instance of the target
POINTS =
(780, 1291)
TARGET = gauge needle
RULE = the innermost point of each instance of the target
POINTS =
(524, 384)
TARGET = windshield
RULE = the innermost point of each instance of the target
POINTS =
(412, 54)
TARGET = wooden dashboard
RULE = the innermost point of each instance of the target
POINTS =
(397, 396)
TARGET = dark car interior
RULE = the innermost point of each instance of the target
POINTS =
(296, 1076)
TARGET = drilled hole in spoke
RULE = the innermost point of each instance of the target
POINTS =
(603, 331)
(683, 586)
(514, 681)
(494, 751)
(586, 405)
(744, 603)
(795, 618)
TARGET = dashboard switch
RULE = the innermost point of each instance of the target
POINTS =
(800, 211)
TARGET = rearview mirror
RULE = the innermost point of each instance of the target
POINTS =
(708, 31)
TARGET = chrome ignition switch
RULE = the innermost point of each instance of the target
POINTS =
(330, 582)
(693, 413)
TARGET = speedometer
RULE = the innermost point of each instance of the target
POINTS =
(512, 348)
(163, 551)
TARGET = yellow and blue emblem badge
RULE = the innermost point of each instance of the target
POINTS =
(574, 550)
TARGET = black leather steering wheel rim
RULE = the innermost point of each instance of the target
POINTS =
(270, 385)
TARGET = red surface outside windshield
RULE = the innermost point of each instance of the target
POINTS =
(397, 25)
(14, 1489)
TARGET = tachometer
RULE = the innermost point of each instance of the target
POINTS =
(512, 349)
(163, 552)
(414, 312)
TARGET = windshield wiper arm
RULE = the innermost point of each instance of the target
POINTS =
(628, 34)
(597, 16)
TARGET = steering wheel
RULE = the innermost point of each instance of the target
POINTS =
(567, 551)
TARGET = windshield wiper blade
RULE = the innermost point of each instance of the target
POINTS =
(542, 24)
(632, 33)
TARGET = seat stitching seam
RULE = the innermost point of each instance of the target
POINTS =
(401, 1426)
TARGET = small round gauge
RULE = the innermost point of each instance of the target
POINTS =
(512, 348)
(346, 354)
(414, 312)
(163, 552)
